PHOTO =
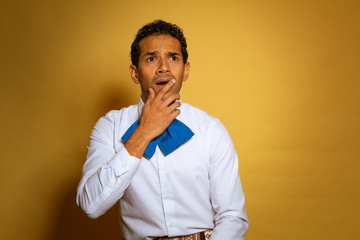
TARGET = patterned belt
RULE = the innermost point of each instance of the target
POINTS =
(205, 235)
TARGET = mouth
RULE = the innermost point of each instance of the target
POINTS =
(162, 81)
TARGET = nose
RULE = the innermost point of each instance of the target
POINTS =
(163, 67)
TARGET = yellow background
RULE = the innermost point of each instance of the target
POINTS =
(283, 76)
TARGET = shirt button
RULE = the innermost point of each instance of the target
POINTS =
(166, 197)
(171, 225)
(123, 165)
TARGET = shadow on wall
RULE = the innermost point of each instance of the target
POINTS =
(74, 224)
(71, 222)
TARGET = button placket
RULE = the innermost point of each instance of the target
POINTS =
(166, 196)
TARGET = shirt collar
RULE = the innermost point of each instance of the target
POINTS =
(140, 106)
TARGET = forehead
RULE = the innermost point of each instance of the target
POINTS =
(159, 43)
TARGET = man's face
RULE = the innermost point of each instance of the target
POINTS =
(160, 61)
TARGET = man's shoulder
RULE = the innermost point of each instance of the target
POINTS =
(123, 111)
(123, 115)
(198, 115)
(205, 125)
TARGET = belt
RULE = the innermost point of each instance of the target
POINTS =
(205, 235)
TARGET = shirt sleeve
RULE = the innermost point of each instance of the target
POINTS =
(227, 196)
(106, 172)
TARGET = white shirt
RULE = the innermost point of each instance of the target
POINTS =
(194, 188)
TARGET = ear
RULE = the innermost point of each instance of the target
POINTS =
(186, 71)
(134, 73)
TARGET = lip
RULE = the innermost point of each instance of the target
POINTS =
(162, 80)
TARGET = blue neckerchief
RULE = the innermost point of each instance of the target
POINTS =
(173, 137)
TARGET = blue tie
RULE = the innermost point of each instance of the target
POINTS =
(173, 137)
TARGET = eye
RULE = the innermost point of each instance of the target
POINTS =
(174, 58)
(150, 59)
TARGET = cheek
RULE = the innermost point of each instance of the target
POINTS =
(144, 78)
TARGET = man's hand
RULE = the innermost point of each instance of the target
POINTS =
(159, 111)
(157, 114)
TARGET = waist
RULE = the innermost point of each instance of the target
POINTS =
(205, 235)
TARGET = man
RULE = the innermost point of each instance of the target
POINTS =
(172, 167)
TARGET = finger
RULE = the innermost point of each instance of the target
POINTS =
(151, 96)
(173, 107)
(170, 99)
(175, 113)
(166, 88)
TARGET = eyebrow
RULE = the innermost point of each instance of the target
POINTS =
(156, 52)
(151, 53)
(173, 53)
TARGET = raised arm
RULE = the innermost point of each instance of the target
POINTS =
(107, 173)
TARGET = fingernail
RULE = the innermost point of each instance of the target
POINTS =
(173, 80)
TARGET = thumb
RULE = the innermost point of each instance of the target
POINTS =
(151, 96)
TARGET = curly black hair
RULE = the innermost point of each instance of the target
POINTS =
(158, 27)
